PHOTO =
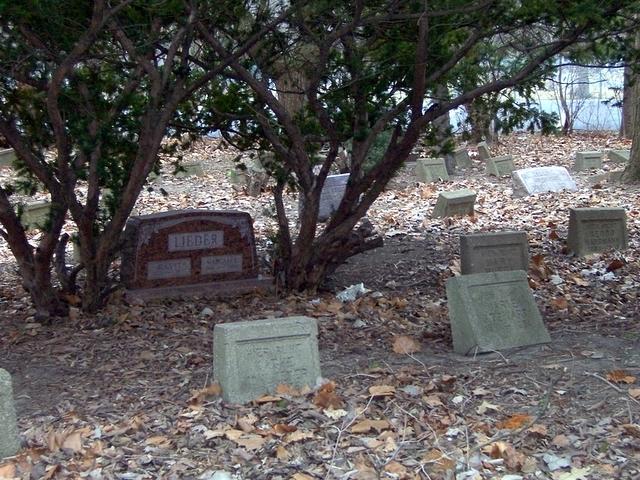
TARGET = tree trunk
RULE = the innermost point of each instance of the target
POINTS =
(629, 103)
(480, 121)
(632, 171)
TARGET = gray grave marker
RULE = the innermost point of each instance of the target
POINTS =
(493, 311)
(35, 214)
(619, 156)
(528, 181)
(191, 170)
(457, 202)
(9, 440)
(252, 358)
(587, 161)
(493, 252)
(331, 195)
(500, 166)
(462, 159)
(431, 170)
(593, 230)
(7, 156)
(483, 151)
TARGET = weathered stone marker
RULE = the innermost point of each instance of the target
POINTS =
(331, 195)
(483, 151)
(35, 214)
(7, 156)
(528, 181)
(190, 170)
(593, 230)
(620, 156)
(493, 311)
(252, 358)
(461, 157)
(168, 254)
(587, 161)
(431, 170)
(493, 252)
(500, 166)
(9, 440)
(457, 202)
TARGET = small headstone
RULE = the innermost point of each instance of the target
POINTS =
(171, 253)
(7, 156)
(493, 252)
(587, 161)
(493, 311)
(500, 166)
(528, 181)
(615, 176)
(593, 230)
(483, 151)
(35, 215)
(9, 439)
(431, 170)
(462, 159)
(620, 156)
(457, 202)
(191, 170)
(331, 195)
(252, 358)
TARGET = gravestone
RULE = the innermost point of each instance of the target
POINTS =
(587, 161)
(483, 151)
(189, 252)
(528, 181)
(500, 166)
(35, 215)
(619, 156)
(593, 230)
(9, 439)
(190, 170)
(252, 358)
(493, 311)
(331, 195)
(7, 156)
(457, 202)
(431, 170)
(462, 159)
(493, 252)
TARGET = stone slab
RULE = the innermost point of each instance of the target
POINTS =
(191, 170)
(587, 161)
(619, 156)
(462, 159)
(500, 166)
(493, 252)
(331, 195)
(252, 358)
(483, 151)
(188, 248)
(529, 181)
(593, 230)
(35, 215)
(457, 202)
(431, 170)
(7, 156)
(9, 439)
(493, 311)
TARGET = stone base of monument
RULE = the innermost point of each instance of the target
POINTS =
(587, 161)
(9, 439)
(619, 156)
(7, 156)
(500, 166)
(213, 289)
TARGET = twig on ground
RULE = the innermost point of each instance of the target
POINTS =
(612, 385)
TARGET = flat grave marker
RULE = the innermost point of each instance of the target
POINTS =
(528, 181)
(619, 156)
(462, 159)
(252, 358)
(483, 151)
(493, 311)
(500, 166)
(431, 170)
(456, 202)
(188, 252)
(587, 161)
(593, 230)
(9, 439)
(493, 252)
(7, 156)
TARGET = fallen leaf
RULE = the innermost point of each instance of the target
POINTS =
(480, 391)
(561, 441)
(199, 396)
(396, 469)
(368, 425)
(8, 470)
(560, 303)
(438, 462)
(514, 422)
(634, 392)
(616, 264)
(382, 391)
(620, 376)
(538, 429)
(297, 436)
(282, 428)
(282, 389)
(484, 406)
(513, 459)
(158, 441)
(301, 476)
(632, 429)
(405, 345)
(326, 397)
(267, 399)
(282, 453)
(575, 474)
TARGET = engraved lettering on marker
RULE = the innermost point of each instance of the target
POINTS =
(161, 269)
(221, 264)
(180, 242)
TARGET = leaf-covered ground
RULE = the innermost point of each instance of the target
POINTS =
(127, 393)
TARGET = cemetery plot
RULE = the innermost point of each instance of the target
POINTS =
(593, 230)
(253, 358)
(619, 156)
(493, 252)
(493, 311)
(431, 170)
(587, 161)
(9, 440)
(457, 202)
(528, 181)
(500, 166)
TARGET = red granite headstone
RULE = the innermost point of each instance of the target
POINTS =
(165, 254)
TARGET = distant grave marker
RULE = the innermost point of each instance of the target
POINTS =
(493, 311)
(528, 181)
(593, 230)
(483, 151)
(462, 159)
(493, 252)
(619, 156)
(7, 156)
(500, 166)
(9, 439)
(252, 358)
(190, 251)
(431, 170)
(35, 214)
(457, 202)
(587, 161)
(190, 170)
(331, 195)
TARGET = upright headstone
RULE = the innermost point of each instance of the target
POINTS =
(9, 439)
(500, 166)
(493, 311)
(331, 195)
(35, 215)
(619, 156)
(189, 252)
(483, 151)
(461, 156)
(493, 252)
(252, 358)
(7, 156)
(587, 161)
(431, 170)
(593, 230)
(528, 181)
(190, 170)
(457, 202)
